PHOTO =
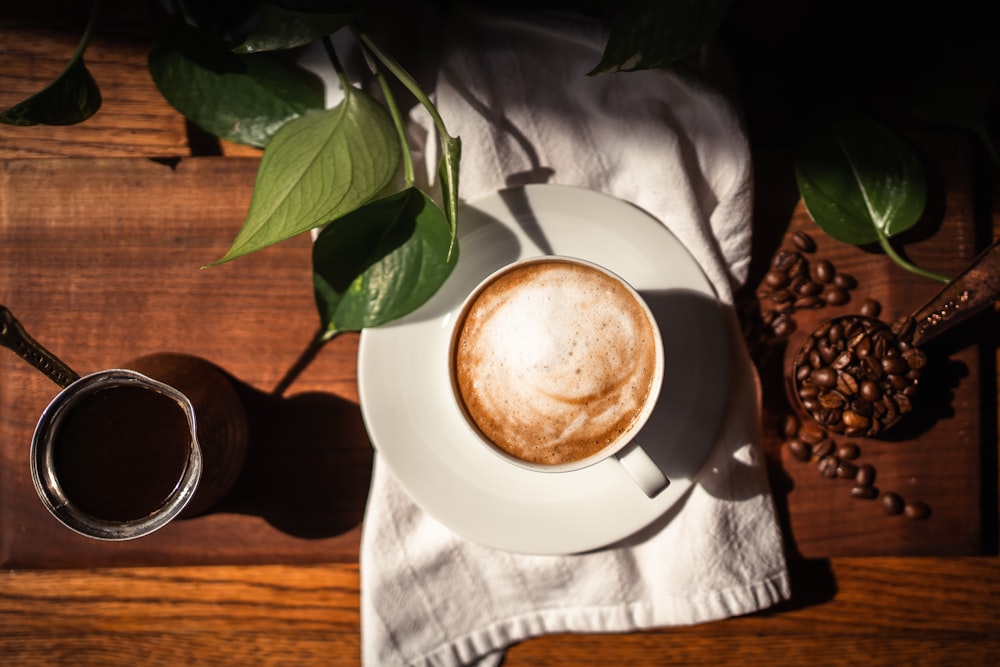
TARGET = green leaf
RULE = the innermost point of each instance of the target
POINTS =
(72, 97)
(859, 180)
(318, 168)
(381, 262)
(240, 98)
(646, 34)
(279, 28)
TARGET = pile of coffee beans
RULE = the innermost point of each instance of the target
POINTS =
(794, 283)
(834, 379)
(855, 377)
(809, 442)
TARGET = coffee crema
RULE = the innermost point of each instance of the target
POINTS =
(553, 361)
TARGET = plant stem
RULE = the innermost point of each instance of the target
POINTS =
(404, 78)
(95, 9)
(331, 53)
(883, 241)
(451, 147)
(397, 120)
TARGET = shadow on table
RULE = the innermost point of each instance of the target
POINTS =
(308, 464)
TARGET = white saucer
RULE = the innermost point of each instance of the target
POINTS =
(418, 429)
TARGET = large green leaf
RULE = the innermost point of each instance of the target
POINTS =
(278, 28)
(381, 262)
(859, 180)
(72, 97)
(317, 168)
(241, 98)
(646, 34)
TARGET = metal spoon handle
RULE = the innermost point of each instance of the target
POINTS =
(977, 287)
(13, 335)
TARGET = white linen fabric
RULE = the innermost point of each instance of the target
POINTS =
(515, 90)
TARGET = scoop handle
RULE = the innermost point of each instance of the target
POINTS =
(13, 335)
(977, 287)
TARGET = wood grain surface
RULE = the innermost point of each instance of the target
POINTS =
(100, 260)
(844, 611)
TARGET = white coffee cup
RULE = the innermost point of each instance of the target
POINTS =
(557, 364)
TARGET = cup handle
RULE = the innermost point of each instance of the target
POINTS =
(641, 468)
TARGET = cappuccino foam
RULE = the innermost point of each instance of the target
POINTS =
(554, 361)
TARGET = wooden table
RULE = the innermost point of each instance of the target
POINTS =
(845, 610)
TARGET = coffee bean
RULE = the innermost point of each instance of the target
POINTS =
(823, 271)
(807, 302)
(800, 450)
(894, 365)
(811, 432)
(824, 377)
(843, 360)
(781, 296)
(870, 308)
(853, 420)
(892, 503)
(846, 470)
(863, 491)
(870, 390)
(845, 281)
(808, 288)
(832, 400)
(803, 372)
(865, 475)
(848, 451)
(785, 260)
(897, 382)
(861, 346)
(847, 384)
(775, 278)
(782, 326)
(828, 466)
(916, 510)
(823, 448)
(803, 242)
(835, 296)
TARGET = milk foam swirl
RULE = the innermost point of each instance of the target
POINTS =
(554, 361)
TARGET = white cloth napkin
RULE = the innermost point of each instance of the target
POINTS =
(517, 93)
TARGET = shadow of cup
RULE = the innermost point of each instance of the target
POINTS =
(308, 465)
(221, 420)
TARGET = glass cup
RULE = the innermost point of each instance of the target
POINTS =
(557, 364)
(120, 453)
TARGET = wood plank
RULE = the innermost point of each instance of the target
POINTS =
(100, 260)
(879, 611)
(134, 118)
